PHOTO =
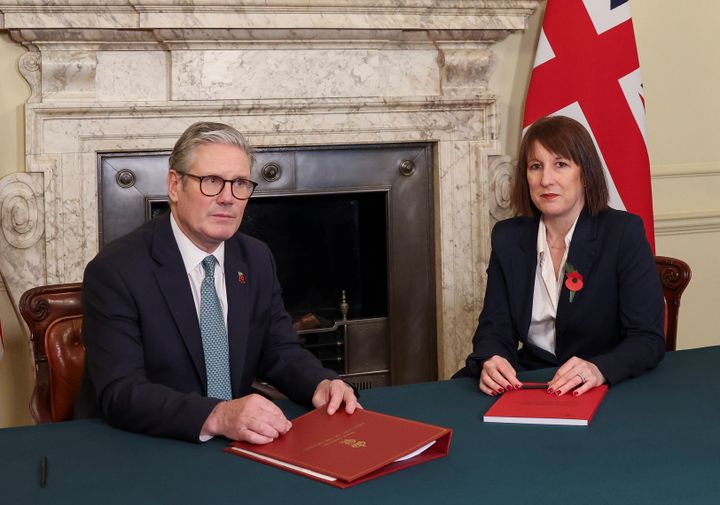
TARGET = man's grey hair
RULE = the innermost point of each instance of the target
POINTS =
(201, 133)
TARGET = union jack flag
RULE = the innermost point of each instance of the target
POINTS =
(587, 68)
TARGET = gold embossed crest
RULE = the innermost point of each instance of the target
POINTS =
(355, 444)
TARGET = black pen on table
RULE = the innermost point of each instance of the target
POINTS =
(534, 385)
(43, 471)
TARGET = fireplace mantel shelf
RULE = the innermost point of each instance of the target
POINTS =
(267, 14)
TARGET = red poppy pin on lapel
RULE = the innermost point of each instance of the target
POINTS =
(574, 281)
(241, 278)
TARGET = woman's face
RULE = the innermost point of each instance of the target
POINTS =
(555, 185)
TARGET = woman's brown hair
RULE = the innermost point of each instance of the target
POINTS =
(565, 137)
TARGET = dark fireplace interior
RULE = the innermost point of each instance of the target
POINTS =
(327, 246)
(351, 232)
(323, 245)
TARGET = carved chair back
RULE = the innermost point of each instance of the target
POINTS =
(674, 275)
(54, 316)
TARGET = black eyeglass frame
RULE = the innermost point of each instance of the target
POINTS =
(200, 179)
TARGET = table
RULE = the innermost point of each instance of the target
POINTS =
(654, 440)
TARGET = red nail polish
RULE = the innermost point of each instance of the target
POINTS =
(557, 392)
(576, 393)
(550, 391)
(493, 393)
(501, 390)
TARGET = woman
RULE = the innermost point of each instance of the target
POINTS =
(570, 279)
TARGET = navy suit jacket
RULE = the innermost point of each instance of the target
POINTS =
(142, 336)
(615, 321)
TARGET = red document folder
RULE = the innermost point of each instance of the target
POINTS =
(537, 406)
(343, 450)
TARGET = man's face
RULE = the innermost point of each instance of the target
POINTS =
(209, 220)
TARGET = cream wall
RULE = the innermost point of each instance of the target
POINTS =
(16, 371)
(680, 57)
(679, 50)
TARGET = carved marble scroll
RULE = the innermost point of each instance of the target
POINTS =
(22, 228)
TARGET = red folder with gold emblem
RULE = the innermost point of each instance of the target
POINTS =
(343, 450)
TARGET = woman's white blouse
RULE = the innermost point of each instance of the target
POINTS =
(546, 292)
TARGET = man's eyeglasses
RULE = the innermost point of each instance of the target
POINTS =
(213, 185)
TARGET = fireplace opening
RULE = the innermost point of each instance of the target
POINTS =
(324, 245)
(331, 256)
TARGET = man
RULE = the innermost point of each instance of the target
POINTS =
(181, 314)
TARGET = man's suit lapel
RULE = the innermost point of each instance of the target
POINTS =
(238, 283)
(175, 287)
(582, 255)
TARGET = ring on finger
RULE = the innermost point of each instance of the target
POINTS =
(582, 379)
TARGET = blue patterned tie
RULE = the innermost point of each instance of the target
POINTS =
(214, 336)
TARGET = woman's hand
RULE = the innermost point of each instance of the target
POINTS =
(576, 374)
(498, 376)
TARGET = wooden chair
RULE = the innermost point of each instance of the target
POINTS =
(54, 316)
(674, 275)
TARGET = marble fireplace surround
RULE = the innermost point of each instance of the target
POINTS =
(129, 75)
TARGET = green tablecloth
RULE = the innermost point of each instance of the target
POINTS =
(654, 440)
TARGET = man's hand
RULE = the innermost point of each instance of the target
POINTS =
(252, 418)
(333, 393)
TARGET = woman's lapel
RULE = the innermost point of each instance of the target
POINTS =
(582, 256)
(523, 267)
